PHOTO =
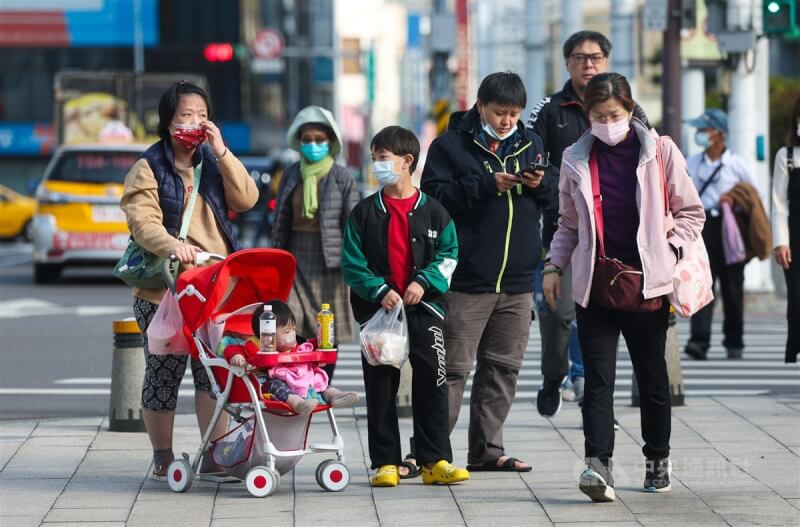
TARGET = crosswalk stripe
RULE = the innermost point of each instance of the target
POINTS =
(761, 371)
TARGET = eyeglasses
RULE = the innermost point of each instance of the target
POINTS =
(581, 58)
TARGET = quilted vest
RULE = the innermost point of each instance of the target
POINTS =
(171, 190)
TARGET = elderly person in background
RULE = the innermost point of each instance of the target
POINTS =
(714, 172)
(315, 198)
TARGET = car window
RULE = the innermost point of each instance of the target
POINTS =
(94, 167)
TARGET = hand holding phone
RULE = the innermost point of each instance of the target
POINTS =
(533, 173)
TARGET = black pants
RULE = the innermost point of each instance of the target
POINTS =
(428, 397)
(646, 335)
(793, 305)
(731, 286)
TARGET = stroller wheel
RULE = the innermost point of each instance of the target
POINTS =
(179, 475)
(333, 475)
(262, 481)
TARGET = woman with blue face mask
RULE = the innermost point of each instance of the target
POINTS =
(315, 197)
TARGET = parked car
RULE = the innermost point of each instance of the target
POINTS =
(16, 212)
(78, 220)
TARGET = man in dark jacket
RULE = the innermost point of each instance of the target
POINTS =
(560, 121)
(483, 171)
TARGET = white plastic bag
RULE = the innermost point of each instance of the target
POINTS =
(165, 332)
(384, 338)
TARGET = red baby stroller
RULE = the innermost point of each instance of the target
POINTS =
(270, 438)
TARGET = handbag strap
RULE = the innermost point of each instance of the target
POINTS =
(597, 199)
(662, 171)
(187, 214)
(710, 179)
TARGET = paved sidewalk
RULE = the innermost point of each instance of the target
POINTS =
(736, 462)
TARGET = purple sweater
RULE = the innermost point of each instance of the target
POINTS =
(617, 169)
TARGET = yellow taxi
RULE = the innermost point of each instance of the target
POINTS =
(16, 212)
(78, 220)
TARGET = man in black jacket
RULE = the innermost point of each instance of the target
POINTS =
(482, 170)
(560, 121)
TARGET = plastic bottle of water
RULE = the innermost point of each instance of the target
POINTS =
(268, 329)
(325, 333)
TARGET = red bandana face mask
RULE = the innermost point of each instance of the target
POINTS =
(188, 135)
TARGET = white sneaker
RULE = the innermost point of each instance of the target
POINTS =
(567, 391)
(593, 485)
(577, 387)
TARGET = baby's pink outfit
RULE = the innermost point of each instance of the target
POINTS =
(299, 377)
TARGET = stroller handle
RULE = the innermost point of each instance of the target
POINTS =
(166, 269)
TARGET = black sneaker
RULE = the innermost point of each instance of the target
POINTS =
(657, 473)
(735, 353)
(548, 400)
(696, 351)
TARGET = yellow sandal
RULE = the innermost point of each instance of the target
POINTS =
(385, 476)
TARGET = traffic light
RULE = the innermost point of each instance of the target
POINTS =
(781, 18)
(219, 52)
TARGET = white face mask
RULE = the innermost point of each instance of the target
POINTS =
(384, 173)
(611, 133)
(287, 342)
(487, 128)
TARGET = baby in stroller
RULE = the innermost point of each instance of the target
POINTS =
(302, 386)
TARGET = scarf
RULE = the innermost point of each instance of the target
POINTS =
(311, 173)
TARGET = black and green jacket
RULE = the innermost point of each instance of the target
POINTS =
(498, 233)
(365, 254)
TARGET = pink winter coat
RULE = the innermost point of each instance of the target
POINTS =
(300, 376)
(575, 241)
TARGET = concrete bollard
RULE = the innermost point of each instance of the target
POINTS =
(673, 357)
(127, 375)
(404, 391)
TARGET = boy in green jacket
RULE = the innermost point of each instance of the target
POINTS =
(400, 245)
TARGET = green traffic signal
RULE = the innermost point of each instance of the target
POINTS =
(781, 18)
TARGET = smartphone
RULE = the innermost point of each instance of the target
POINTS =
(540, 163)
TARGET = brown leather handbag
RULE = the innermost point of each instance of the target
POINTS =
(615, 285)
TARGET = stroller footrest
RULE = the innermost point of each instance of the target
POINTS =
(324, 447)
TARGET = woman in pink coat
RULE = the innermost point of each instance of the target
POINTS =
(631, 197)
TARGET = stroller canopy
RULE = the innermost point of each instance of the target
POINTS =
(243, 278)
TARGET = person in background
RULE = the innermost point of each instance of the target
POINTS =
(714, 172)
(631, 196)
(560, 121)
(157, 189)
(315, 197)
(483, 170)
(786, 226)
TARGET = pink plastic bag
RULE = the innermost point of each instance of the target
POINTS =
(165, 333)
(732, 241)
